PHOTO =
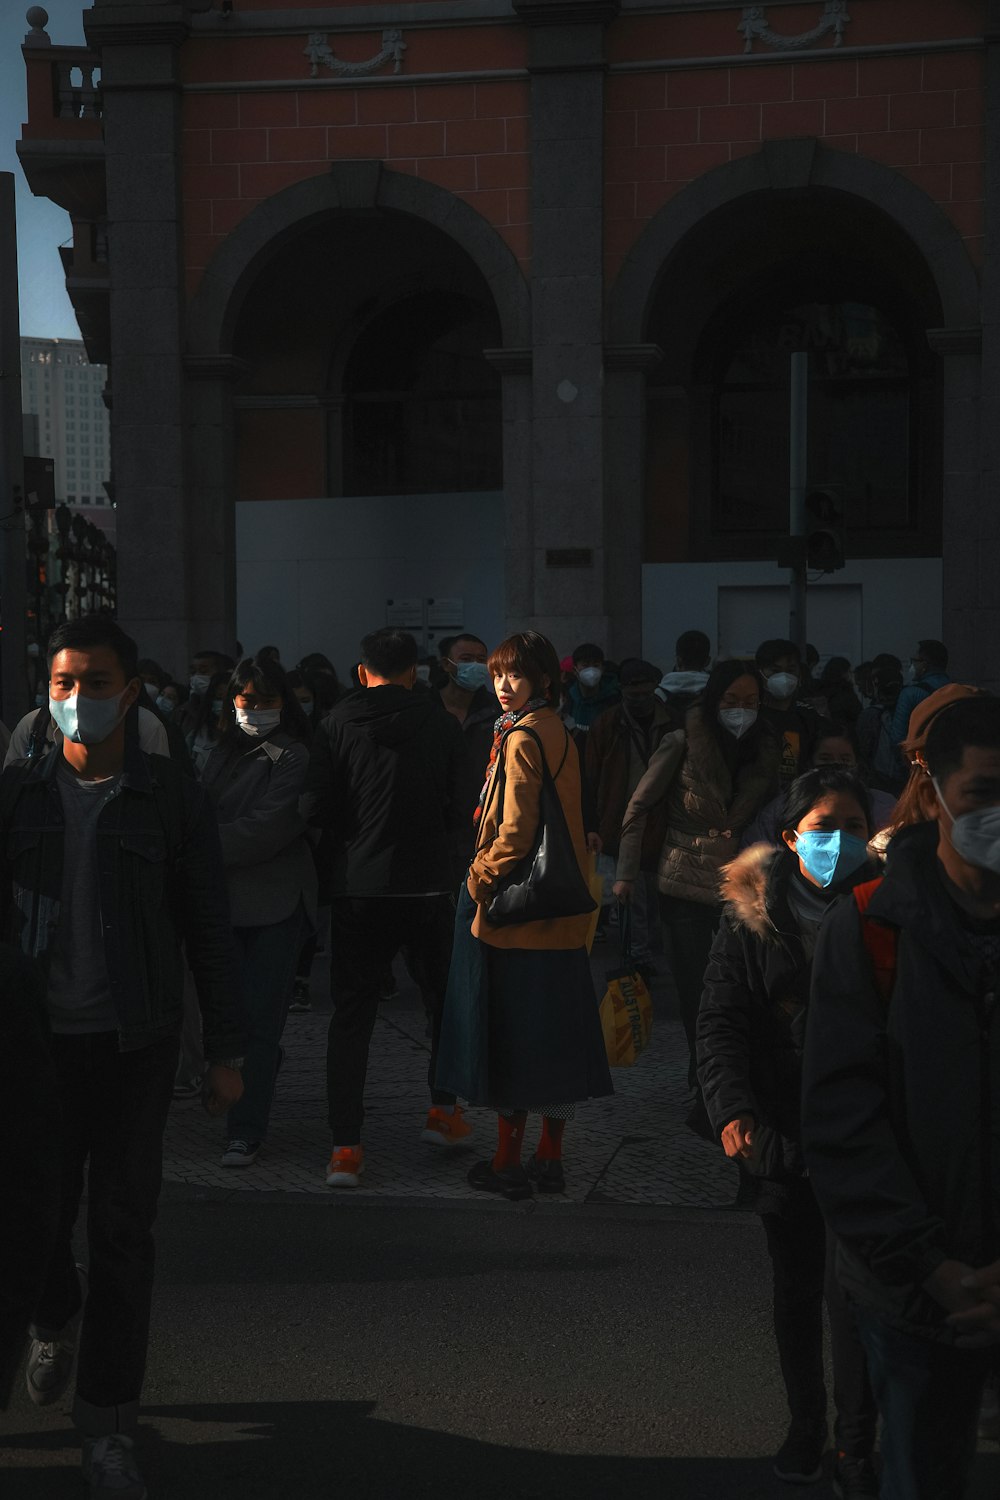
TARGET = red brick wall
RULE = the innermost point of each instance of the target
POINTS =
(241, 147)
(922, 115)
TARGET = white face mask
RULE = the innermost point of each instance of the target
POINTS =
(152, 691)
(258, 722)
(782, 685)
(737, 720)
(590, 676)
(423, 673)
(975, 836)
(199, 683)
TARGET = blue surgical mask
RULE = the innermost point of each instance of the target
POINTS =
(87, 721)
(829, 855)
(307, 705)
(218, 704)
(165, 705)
(470, 676)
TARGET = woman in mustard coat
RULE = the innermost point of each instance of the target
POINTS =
(521, 1032)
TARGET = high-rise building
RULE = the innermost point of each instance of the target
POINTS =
(65, 393)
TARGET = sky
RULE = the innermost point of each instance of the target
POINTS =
(46, 311)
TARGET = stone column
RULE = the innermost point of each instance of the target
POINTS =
(568, 561)
(514, 366)
(626, 366)
(962, 497)
(981, 578)
(141, 95)
(210, 489)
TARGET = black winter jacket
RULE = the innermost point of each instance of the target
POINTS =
(385, 779)
(162, 883)
(751, 1025)
(901, 1102)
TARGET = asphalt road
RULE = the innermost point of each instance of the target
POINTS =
(383, 1351)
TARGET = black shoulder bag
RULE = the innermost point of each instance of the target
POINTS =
(547, 882)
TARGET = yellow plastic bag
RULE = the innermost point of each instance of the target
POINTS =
(626, 1018)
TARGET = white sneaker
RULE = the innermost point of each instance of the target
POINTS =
(50, 1361)
(110, 1469)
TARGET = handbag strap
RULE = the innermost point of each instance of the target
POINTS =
(500, 775)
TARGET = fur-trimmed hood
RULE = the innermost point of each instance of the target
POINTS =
(744, 887)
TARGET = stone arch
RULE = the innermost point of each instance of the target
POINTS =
(349, 187)
(785, 165)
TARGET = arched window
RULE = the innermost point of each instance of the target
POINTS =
(421, 403)
(863, 436)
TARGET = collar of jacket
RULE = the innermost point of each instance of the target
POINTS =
(742, 794)
(135, 772)
(913, 898)
(755, 888)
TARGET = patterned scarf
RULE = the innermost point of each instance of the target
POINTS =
(506, 721)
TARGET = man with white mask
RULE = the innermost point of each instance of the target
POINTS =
(109, 861)
(901, 1109)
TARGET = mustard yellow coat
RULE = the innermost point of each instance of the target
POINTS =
(501, 847)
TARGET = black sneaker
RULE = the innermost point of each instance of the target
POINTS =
(547, 1175)
(855, 1478)
(511, 1182)
(240, 1154)
(800, 1458)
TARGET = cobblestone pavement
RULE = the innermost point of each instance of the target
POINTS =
(633, 1148)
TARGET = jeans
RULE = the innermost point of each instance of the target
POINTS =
(113, 1110)
(268, 959)
(366, 935)
(690, 927)
(802, 1259)
(929, 1396)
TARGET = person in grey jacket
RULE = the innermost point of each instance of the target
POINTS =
(254, 777)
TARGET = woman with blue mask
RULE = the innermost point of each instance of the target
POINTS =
(751, 1031)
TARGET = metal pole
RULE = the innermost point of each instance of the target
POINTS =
(13, 566)
(798, 464)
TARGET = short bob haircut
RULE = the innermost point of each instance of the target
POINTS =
(532, 656)
(807, 790)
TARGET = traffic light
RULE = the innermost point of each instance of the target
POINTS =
(825, 549)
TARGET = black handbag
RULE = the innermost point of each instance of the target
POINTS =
(547, 882)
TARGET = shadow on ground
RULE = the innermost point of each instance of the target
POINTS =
(315, 1450)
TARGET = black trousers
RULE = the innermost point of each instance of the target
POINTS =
(366, 935)
(802, 1258)
(113, 1113)
(689, 930)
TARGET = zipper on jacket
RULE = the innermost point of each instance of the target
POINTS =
(985, 1006)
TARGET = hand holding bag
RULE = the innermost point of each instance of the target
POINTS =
(547, 883)
(627, 1009)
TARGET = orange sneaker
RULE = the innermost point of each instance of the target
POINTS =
(446, 1127)
(346, 1166)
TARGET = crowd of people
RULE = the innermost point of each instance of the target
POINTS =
(814, 856)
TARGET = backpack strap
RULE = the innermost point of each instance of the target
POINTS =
(881, 941)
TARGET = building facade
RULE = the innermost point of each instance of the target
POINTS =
(64, 393)
(484, 310)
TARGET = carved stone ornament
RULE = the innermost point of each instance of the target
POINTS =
(754, 26)
(319, 51)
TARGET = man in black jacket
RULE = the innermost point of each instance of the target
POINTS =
(901, 1110)
(385, 781)
(109, 858)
